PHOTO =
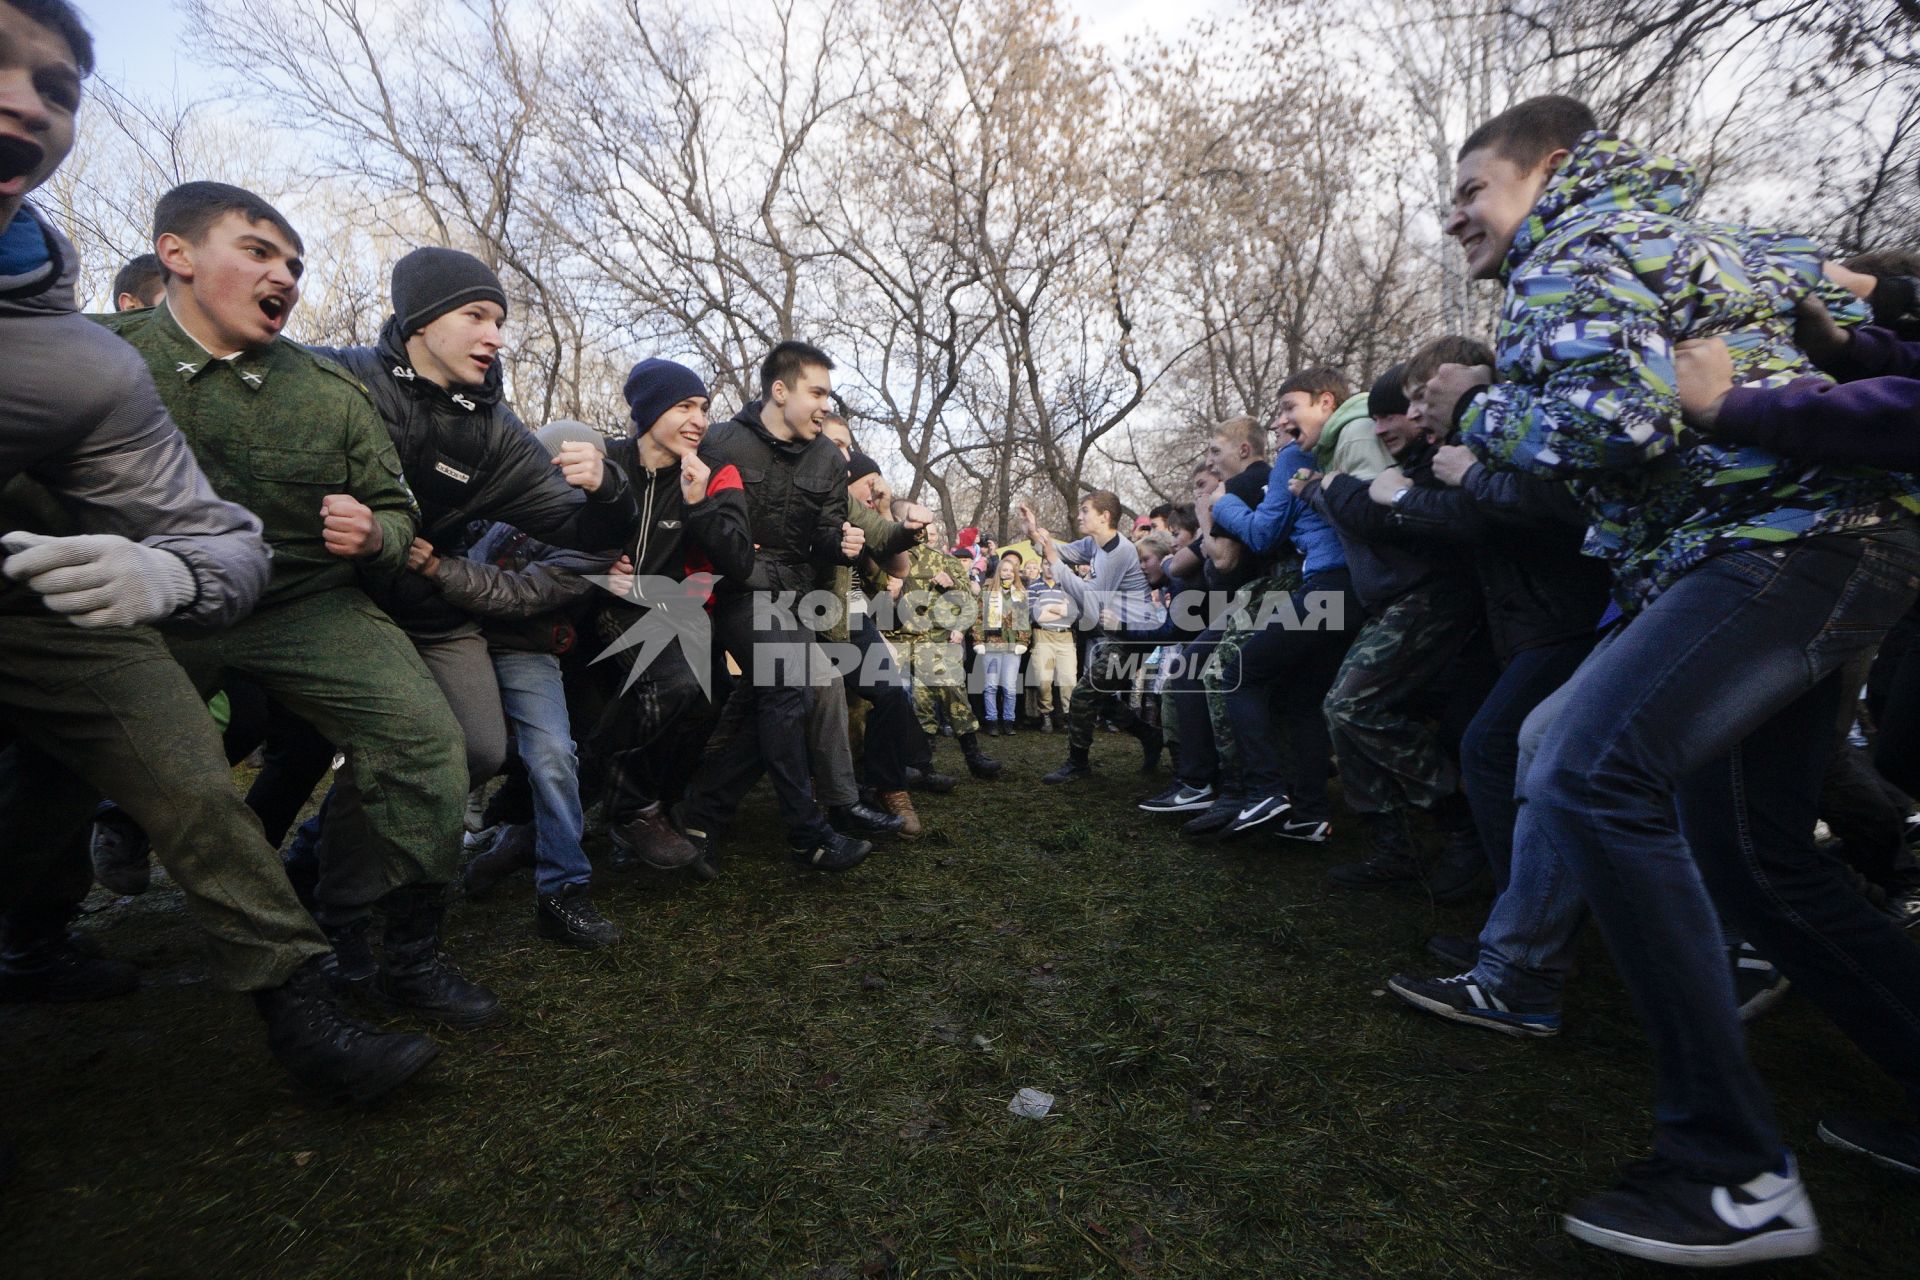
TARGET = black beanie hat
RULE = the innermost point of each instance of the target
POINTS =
(860, 466)
(430, 282)
(655, 386)
(1387, 397)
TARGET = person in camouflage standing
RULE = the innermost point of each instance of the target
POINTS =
(134, 537)
(297, 441)
(933, 609)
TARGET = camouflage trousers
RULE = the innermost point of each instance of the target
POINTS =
(1391, 757)
(939, 680)
(1101, 692)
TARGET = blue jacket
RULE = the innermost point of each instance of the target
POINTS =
(1282, 521)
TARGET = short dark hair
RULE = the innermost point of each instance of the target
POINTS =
(1885, 262)
(1104, 501)
(1162, 512)
(139, 277)
(61, 17)
(1528, 132)
(785, 362)
(1321, 380)
(1184, 518)
(1449, 348)
(190, 210)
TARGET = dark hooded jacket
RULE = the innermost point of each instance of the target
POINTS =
(796, 500)
(469, 458)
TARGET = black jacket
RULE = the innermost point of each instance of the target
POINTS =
(1524, 534)
(1385, 564)
(671, 539)
(796, 500)
(468, 458)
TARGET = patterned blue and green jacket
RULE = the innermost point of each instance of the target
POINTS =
(1605, 276)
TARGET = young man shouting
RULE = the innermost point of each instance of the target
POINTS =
(1685, 756)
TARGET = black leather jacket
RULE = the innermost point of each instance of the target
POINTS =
(469, 459)
(796, 500)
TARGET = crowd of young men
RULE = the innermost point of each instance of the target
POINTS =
(1586, 611)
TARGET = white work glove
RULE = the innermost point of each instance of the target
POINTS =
(99, 579)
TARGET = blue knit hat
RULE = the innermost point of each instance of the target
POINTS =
(655, 386)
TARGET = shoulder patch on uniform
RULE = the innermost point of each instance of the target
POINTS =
(338, 371)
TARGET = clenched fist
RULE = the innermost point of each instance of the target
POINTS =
(348, 528)
(852, 539)
(693, 479)
(583, 465)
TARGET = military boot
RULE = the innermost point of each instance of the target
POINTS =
(329, 1052)
(414, 976)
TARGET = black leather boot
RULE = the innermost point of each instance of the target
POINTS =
(330, 1053)
(979, 763)
(351, 966)
(860, 820)
(413, 974)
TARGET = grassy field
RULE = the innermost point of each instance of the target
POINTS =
(782, 1074)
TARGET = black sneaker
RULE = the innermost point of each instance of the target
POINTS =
(1659, 1213)
(510, 850)
(1464, 998)
(859, 820)
(569, 918)
(1460, 950)
(1256, 811)
(1179, 798)
(1212, 821)
(1071, 771)
(1312, 830)
(1757, 984)
(827, 850)
(63, 969)
(1892, 1144)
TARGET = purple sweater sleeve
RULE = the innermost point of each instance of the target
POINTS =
(1876, 353)
(1872, 422)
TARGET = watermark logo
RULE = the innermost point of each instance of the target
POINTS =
(676, 613)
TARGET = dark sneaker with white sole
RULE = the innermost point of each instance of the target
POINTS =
(1663, 1214)
(1757, 984)
(1179, 798)
(827, 850)
(1256, 811)
(1211, 821)
(1312, 830)
(1891, 1144)
(1464, 998)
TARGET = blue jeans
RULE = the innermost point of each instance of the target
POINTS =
(1000, 681)
(1490, 747)
(1685, 756)
(535, 703)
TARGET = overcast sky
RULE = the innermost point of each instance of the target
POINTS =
(138, 42)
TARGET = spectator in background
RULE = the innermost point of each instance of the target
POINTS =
(139, 284)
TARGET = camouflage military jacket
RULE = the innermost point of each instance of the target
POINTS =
(1607, 273)
(923, 608)
(276, 430)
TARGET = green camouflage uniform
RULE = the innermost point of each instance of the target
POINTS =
(277, 429)
(925, 615)
(1390, 757)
